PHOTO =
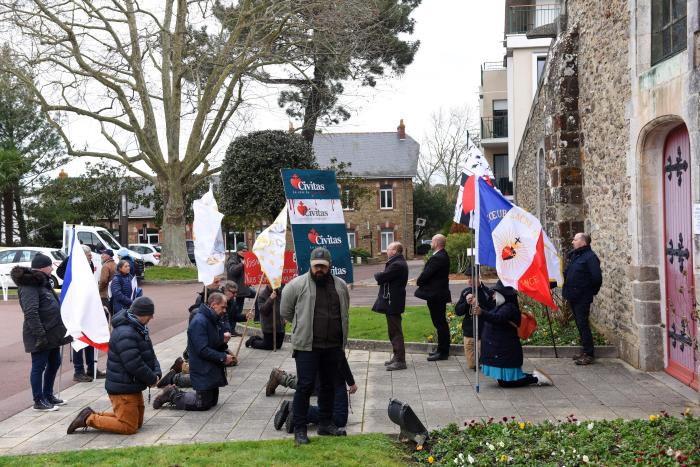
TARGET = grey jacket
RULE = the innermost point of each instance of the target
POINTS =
(298, 301)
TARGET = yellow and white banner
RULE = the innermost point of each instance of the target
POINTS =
(269, 248)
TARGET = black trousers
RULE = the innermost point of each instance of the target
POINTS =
(265, 342)
(396, 337)
(438, 314)
(197, 400)
(581, 313)
(321, 362)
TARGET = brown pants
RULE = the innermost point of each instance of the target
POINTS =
(396, 337)
(469, 352)
(127, 417)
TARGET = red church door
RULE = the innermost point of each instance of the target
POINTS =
(680, 293)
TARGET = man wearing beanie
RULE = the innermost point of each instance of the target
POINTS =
(317, 305)
(131, 367)
(43, 331)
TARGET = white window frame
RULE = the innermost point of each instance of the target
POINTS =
(352, 239)
(389, 198)
(389, 236)
(535, 56)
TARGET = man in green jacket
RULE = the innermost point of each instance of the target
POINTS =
(317, 305)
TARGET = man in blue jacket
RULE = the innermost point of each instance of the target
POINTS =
(582, 281)
(206, 345)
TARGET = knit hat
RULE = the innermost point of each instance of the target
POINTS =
(41, 261)
(320, 255)
(107, 252)
(143, 306)
(240, 246)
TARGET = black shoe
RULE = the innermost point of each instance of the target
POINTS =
(434, 352)
(300, 436)
(585, 359)
(43, 405)
(249, 341)
(328, 430)
(397, 365)
(289, 424)
(100, 374)
(164, 396)
(437, 356)
(80, 421)
(82, 378)
(53, 400)
(166, 380)
(390, 361)
(281, 415)
(577, 356)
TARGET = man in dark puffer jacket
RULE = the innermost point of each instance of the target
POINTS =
(43, 331)
(131, 367)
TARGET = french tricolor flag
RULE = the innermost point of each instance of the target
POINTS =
(512, 240)
(81, 307)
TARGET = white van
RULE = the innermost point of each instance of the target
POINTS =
(99, 238)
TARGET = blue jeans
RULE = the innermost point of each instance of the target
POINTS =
(340, 407)
(45, 365)
(321, 362)
(89, 353)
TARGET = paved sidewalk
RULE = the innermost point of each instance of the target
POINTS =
(440, 393)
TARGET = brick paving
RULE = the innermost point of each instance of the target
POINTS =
(439, 393)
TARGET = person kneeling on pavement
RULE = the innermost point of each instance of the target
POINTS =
(462, 308)
(206, 346)
(269, 304)
(132, 366)
(501, 350)
(340, 402)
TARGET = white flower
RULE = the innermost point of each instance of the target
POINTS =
(669, 452)
(490, 446)
(574, 450)
(590, 426)
(461, 456)
(501, 444)
(470, 459)
(578, 422)
(585, 459)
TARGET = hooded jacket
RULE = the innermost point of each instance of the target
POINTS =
(43, 328)
(131, 361)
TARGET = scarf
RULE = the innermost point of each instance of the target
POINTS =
(137, 324)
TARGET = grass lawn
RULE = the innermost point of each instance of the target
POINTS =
(162, 273)
(657, 440)
(372, 449)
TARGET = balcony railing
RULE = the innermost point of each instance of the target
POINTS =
(494, 127)
(491, 66)
(524, 18)
(504, 185)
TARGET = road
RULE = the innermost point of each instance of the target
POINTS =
(170, 319)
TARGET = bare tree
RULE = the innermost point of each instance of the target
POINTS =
(445, 150)
(156, 82)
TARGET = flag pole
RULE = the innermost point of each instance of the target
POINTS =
(274, 325)
(94, 364)
(245, 328)
(60, 376)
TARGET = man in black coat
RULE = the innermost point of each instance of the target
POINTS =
(132, 366)
(206, 346)
(434, 287)
(43, 330)
(392, 301)
(235, 271)
(582, 281)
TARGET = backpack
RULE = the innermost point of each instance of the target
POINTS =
(528, 325)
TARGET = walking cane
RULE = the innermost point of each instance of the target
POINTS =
(245, 328)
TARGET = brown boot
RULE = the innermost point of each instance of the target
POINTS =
(80, 421)
(276, 378)
(177, 366)
(165, 395)
(167, 379)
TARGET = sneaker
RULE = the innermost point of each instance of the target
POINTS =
(82, 378)
(585, 359)
(396, 366)
(164, 396)
(543, 378)
(80, 421)
(55, 400)
(276, 378)
(167, 379)
(390, 361)
(282, 415)
(177, 366)
(42, 405)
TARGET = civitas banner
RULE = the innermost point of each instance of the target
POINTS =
(316, 216)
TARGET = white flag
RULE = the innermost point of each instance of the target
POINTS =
(475, 166)
(209, 252)
(81, 307)
(269, 248)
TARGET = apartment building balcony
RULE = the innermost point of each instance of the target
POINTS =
(533, 20)
(494, 130)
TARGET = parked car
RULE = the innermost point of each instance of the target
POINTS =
(23, 255)
(150, 253)
(190, 250)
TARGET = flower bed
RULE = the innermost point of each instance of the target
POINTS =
(658, 440)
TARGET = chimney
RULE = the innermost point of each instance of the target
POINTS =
(63, 174)
(401, 130)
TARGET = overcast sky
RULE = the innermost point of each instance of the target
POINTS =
(456, 37)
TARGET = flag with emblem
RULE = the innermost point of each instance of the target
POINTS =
(512, 240)
(475, 166)
(269, 248)
(209, 249)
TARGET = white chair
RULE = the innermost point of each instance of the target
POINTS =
(4, 283)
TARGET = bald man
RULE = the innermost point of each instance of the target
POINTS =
(434, 287)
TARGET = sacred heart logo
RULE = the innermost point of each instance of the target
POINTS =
(295, 181)
(301, 208)
(313, 236)
(510, 251)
